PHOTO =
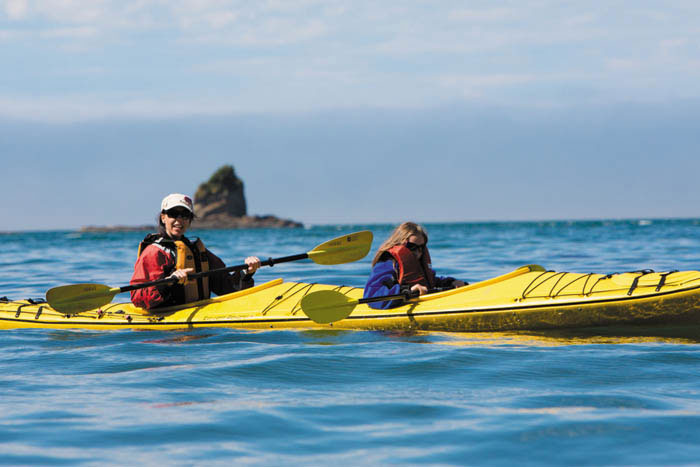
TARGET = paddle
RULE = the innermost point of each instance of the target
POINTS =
(329, 306)
(72, 299)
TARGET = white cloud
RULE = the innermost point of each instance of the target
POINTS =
(79, 107)
(492, 14)
(278, 22)
(221, 20)
(16, 9)
(581, 20)
(624, 64)
(7, 35)
(79, 32)
(673, 43)
(493, 80)
(488, 88)
(267, 32)
(75, 11)
(294, 6)
(159, 56)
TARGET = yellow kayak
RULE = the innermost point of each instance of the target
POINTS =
(528, 298)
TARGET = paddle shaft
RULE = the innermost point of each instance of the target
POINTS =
(238, 267)
(329, 306)
(387, 298)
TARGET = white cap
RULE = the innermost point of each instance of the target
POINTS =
(176, 199)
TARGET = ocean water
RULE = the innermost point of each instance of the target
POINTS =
(227, 396)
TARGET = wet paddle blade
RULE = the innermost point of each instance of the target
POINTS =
(345, 249)
(327, 306)
(72, 299)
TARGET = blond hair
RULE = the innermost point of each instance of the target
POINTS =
(399, 236)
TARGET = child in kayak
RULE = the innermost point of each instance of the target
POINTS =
(402, 265)
(170, 254)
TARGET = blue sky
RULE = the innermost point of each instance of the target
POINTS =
(348, 112)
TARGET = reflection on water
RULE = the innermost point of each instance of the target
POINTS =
(178, 339)
(580, 336)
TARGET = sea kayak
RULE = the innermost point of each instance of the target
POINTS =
(529, 298)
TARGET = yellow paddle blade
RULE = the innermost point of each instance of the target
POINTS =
(72, 299)
(345, 249)
(327, 306)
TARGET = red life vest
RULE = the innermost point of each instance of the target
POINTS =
(186, 254)
(411, 270)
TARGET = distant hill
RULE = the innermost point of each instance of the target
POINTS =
(219, 203)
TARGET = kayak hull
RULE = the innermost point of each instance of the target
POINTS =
(528, 298)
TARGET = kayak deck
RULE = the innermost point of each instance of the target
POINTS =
(528, 298)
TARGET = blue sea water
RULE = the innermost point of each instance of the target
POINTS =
(227, 396)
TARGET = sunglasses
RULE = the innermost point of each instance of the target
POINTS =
(414, 247)
(181, 213)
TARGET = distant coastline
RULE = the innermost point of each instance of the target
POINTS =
(603, 221)
(225, 222)
(116, 228)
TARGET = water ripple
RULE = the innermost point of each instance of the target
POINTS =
(223, 396)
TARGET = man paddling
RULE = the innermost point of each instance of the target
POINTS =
(169, 254)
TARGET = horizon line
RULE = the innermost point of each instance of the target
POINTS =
(305, 226)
